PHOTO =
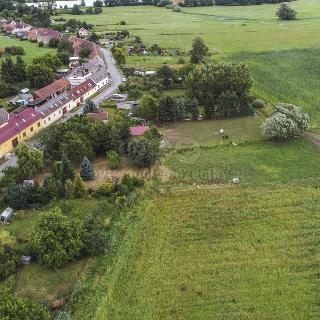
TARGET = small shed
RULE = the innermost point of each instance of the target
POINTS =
(6, 215)
(28, 183)
(25, 260)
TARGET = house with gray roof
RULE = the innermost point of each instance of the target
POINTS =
(100, 77)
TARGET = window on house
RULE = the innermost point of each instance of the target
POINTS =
(38, 124)
(31, 129)
(24, 134)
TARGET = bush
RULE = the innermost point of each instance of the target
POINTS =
(12, 308)
(258, 104)
(122, 23)
(142, 152)
(95, 235)
(286, 121)
(113, 158)
(286, 13)
(105, 190)
(40, 44)
(8, 254)
(128, 184)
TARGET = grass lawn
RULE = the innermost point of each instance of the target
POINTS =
(31, 49)
(43, 285)
(152, 62)
(224, 29)
(254, 163)
(206, 132)
(213, 253)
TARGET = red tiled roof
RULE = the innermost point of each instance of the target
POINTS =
(102, 116)
(138, 131)
(52, 88)
(17, 123)
(81, 89)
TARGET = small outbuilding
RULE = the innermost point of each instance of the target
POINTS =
(6, 215)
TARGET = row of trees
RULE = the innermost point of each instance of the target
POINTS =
(167, 109)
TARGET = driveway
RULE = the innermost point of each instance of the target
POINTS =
(116, 80)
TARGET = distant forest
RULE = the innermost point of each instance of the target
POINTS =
(246, 2)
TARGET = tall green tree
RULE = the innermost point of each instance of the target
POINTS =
(56, 238)
(90, 107)
(149, 108)
(8, 70)
(222, 88)
(30, 162)
(20, 69)
(199, 50)
(142, 152)
(86, 169)
(285, 12)
(119, 56)
(40, 75)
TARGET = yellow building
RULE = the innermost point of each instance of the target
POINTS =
(18, 128)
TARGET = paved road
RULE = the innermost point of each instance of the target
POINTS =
(116, 80)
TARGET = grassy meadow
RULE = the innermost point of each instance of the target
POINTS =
(32, 50)
(192, 134)
(257, 163)
(224, 29)
(212, 253)
(287, 76)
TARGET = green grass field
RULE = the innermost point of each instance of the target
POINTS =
(213, 253)
(206, 133)
(287, 76)
(31, 49)
(254, 163)
(224, 29)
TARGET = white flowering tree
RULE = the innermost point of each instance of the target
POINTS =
(286, 121)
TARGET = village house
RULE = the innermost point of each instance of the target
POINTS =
(43, 35)
(54, 109)
(100, 77)
(138, 131)
(83, 32)
(83, 91)
(52, 90)
(18, 128)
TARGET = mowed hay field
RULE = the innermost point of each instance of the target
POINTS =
(257, 163)
(213, 253)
